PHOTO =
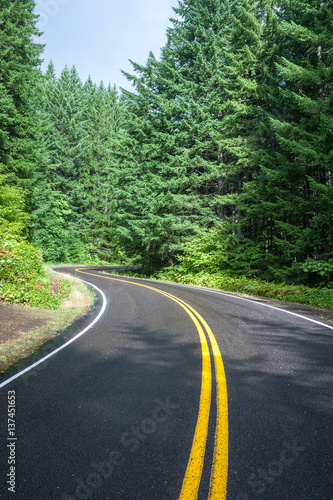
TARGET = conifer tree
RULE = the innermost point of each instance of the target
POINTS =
(51, 207)
(305, 130)
(102, 128)
(19, 74)
(296, 174)
(73, 209)
(250, 137)
(178, 110)
(61, 200)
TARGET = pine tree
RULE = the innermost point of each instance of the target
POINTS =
(60, 198)
(305, 130)
(253, 142)
(178, 110)
(73, 210)
(102, 127)
(19, 75)
(297, 166)
(51, 207)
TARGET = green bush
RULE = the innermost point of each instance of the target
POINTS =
(319, 270)
(300, 294)
(23, 278)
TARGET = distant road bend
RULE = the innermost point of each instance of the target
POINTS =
(173, 392)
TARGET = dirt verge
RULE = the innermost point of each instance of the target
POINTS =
(23, 330)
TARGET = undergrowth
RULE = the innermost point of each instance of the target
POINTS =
(23, 278)
(300, 294)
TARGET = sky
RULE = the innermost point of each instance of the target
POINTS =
(100, 36)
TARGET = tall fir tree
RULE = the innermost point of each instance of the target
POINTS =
(178, 110)
(60, 198)
(305, 131)
(293, 193)
(19, 76)
(73, 209)
(50, 206)
(102, 127)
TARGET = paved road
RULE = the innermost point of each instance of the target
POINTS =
(174, 392)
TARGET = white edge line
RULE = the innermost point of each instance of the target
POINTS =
(253, 301)
(67, 343)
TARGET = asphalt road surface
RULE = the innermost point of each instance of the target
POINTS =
(171, 392)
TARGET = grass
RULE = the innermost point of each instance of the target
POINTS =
(42, 324)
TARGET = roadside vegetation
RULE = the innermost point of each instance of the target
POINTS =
(298, 294)
(23, 277)
(24, 330)
(202, 263)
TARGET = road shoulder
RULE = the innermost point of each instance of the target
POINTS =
(24, 329)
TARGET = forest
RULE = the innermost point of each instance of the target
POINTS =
(218, 161)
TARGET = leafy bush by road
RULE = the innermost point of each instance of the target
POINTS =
(300, 294)
(23, 278)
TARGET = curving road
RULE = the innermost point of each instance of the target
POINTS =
(172, 392)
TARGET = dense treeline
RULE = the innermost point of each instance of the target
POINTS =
(73, 200)
(220, 158)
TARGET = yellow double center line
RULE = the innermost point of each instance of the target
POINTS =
(219, 470)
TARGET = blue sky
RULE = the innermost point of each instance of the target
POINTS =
(99, 36)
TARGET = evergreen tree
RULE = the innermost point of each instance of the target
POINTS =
(178, 110)
(295, 175)
(61, 200)
(254, 98)
(102, 128)
(19, 75)
(305, 131)
(74, 182)
(50, 205)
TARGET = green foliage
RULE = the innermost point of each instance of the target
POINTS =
(293, 191)
(13, 216)
(73, 201)
(60, 200)
(319, 270)
(19, 74)
(173, 177)
(208, 251)
(22, 275)
(322, 297)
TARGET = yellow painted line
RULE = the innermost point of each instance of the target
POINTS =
(219, 471)
(191, 482)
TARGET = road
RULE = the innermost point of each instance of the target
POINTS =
(174, 392)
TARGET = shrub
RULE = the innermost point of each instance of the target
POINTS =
(317, 297)
(23, 278)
